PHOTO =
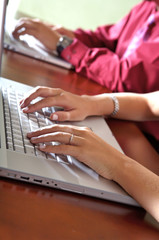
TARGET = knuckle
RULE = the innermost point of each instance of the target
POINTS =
(63, 95)
(60, 135)
(69, 128)
(85, 131)
(58, 90)
(38, 88)
(66, 117)
(50, 90)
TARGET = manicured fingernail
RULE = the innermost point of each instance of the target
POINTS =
(54, 117)
(29, 134)
(22, 105)
(25, 109)
(42, 147)
(33, 139)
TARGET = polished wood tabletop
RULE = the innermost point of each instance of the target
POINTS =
(30, 211)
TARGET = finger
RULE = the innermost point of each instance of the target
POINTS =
(26, 25)
(40, 131)
(61, 137)
(24, 31)
(33, 94)
(79, 131)
(61, 116)
(24, 22)
(69, 115)
(17, 34)
(47, 102)
(55, 27)
(39, 92)
(61, 149)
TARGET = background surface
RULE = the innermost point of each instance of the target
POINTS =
(87, 14)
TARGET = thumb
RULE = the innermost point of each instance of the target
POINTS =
(66, 116)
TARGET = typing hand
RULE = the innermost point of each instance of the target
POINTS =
(41, 31)
(75, 107)
(81, 143)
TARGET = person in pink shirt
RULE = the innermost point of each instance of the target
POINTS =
(121, 57)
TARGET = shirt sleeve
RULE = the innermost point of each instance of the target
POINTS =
(93, 56)
(138, 72)
(92, 53)
(103, 36)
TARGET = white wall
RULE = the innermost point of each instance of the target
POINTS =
(76, 13)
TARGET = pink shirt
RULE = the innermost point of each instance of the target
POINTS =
(123, 56)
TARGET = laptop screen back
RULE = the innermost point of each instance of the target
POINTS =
(3, 4)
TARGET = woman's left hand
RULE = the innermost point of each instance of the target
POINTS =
(81, 143)
(75, 107)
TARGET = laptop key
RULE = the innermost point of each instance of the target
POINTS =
(30, 150)
(10, 146)
(19, 148)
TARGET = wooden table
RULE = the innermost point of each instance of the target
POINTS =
(33, 212)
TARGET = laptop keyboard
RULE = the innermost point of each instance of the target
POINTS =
(18, 124)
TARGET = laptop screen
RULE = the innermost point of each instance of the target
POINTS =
(3, 4)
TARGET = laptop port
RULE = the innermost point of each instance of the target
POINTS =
(24, 178)
(38, 180)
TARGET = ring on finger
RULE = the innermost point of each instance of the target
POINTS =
(71, 139)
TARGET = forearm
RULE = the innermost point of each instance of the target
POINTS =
(104, 66)
(138, 107)
(140, 183)
(132, 106)
(103, 36)
(97, 39)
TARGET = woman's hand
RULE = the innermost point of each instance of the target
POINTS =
(41, 31)
(81, 143)
(75, 107)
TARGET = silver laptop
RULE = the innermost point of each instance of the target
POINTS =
(29, 46)
(21, 160)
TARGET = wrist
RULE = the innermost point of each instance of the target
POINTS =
(104, 104)
(89, 105)
(99, 105)
(62, 43)
(113, 169)
(116, 105)
(51, 42)
(107, 104)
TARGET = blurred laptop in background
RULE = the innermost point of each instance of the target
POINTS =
(28, 45)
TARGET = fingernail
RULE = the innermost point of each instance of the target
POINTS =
(29, 134)
(42, 147)
(54, 117)
(22, 105)
(25, 109)
(34, 139)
